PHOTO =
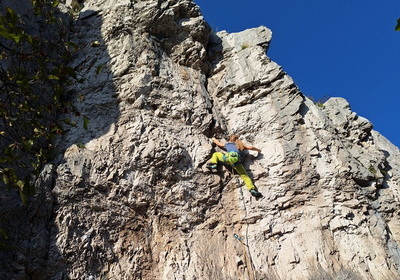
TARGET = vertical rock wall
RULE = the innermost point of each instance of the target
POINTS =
(324, 173)
(130, 198)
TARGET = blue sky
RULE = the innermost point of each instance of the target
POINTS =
(337, 48)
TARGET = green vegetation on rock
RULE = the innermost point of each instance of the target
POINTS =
(33, 75)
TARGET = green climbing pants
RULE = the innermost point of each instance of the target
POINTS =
(239, 168)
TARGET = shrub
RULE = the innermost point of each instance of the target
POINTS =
(33, 75)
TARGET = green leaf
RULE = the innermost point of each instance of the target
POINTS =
(71, 72)
(398, 25)
(85, 123)
(72, 45)
(99, 68)
(95, 44)
(53, 77)
(29, 38)
(9, 176)
(16, 38)
(80, 145)
(6, 34)
(20, 184)
(23, 197)
(69, 122)
(3, 234)
(6, 179)
(11, 15)
(27, 144)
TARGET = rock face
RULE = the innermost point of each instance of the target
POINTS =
(130, 198)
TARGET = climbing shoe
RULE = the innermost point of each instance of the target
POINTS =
(211, 166)
(255, 193)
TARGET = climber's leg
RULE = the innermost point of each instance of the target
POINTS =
(215, 158)
(245, 177)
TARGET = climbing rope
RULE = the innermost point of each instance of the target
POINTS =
(248, 252)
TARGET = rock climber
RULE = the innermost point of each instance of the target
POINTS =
(234, 147)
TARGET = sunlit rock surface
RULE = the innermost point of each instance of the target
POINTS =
(130, 197)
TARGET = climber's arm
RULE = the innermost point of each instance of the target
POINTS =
(252, 148)
(218, 143)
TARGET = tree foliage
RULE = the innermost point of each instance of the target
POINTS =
(33, 76)
(397, 28)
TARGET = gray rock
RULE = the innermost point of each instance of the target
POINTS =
(130, 198)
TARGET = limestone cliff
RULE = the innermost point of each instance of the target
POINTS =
(130, 198)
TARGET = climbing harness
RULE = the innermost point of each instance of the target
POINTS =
(232, 158)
